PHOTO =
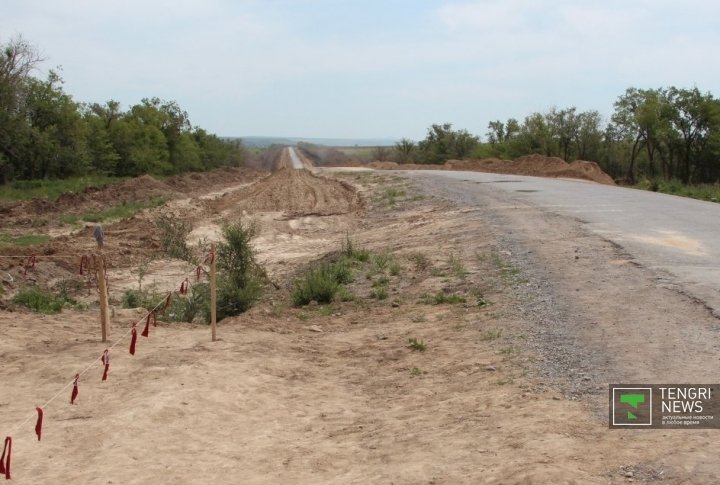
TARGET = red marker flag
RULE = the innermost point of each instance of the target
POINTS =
(75, 391)
(199, 272)
(106, 363)
(5, 462)
(146, 330)
(133, 339)
(38, 425)
(167, 302)
(184, 287)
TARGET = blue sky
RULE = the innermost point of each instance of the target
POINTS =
(369, 69)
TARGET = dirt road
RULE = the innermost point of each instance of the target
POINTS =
(519, 320)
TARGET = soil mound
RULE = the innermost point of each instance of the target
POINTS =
(215, 178)
(535, 165)
(298, 193)
(378, 165)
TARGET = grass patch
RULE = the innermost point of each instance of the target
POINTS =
(318, 284)
(121, 211)
(52, 189)
(492, 334)
(415, 372)
(379, 292)
(441, 299)
(41, 301)
(391, 195)
(456, 266)
(416, 344)
(708, 192)
(24, 240)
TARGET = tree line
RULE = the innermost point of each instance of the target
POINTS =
(665, 133)
(44, 133)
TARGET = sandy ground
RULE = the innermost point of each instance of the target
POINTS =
(511, 391)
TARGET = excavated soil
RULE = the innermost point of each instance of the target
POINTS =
(534, 165)
(295, 192)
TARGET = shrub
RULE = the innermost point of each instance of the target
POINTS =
(416, 344)
(240, 277)
(173, 236)
(41, 301)
(319, 284)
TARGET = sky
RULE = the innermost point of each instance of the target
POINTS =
(368, 68)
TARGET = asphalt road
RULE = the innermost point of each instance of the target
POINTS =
(678, 237)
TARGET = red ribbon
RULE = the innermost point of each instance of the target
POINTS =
(75, 391)
(106, 363)
(146, 330)
(199, 272)
(5, 463)
(133, 339)
(210, 258)
(84, 263)
(38, 425)
(184, 287)
(167, 302)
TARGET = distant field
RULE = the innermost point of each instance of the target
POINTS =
(358, 153)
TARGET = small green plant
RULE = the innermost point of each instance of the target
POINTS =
(456, 266)
(507, 350)
(382, 261)
(240, 278)
(391, 194)
(304, 316)
(381, 281)
(491, 334)
(173, 236)
(41, 301)
(394, 268)
(416, 344)
(441, 298)
(415, 372)
(379, 292)
(353, 253)
(318, 284)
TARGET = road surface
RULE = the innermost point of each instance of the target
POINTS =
(676, 236)
(296, 162)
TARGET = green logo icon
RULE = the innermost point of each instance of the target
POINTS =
(633, 400)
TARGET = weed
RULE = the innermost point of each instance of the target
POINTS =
(391, 194)
(350, 252)
(318, 284)
(456, 266)
(502, 382)
(123, 211)
(41, 301)
(382, 281)
(492, 334)
(394, 269)
(344, 295)
(379, 293)
(415, 372)
(382, 261)
(416, 344)
(419, 319)
(441, 298)
(303, 316)
(507, 350)
(421, 261)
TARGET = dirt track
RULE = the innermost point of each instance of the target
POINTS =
(508, 392)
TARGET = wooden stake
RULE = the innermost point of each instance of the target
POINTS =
(102, 292)
(213, 295)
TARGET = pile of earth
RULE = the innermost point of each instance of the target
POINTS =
(295, 192)
(143, 188)
(536, 165)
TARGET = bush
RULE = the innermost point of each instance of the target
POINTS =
(41, 301)
(240, 277)
(319, 284)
